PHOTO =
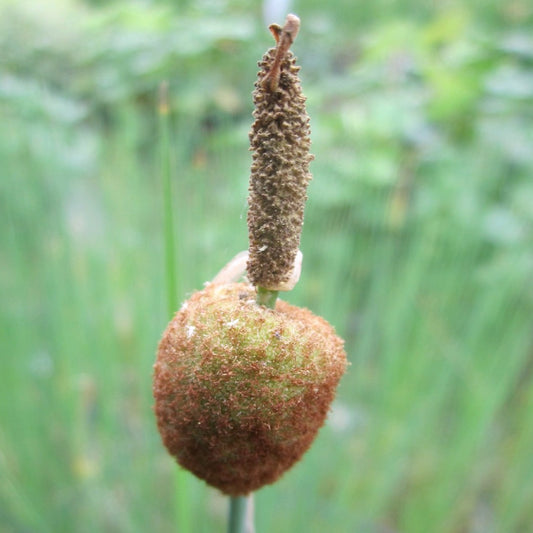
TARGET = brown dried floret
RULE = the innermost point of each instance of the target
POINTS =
(241, 390)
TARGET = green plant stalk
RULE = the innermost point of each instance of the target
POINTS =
(238, 514)
(183, 517)
(266, 297)
(166, 175)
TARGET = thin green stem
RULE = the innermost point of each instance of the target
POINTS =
(182, 504)
(168, 222)
(240, 519)
(266, 297)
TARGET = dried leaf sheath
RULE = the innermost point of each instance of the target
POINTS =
(280, 173)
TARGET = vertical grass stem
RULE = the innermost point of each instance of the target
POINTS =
(182, 504)
(168, 223)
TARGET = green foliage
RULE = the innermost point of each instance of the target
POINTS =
(417, 245)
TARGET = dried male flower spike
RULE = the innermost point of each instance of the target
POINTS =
(280, 141)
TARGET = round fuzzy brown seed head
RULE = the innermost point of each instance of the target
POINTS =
(241, 390)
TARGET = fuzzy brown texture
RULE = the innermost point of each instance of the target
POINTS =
(279, 175)
(241, 390)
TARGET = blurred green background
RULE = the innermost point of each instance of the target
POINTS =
(418, 247)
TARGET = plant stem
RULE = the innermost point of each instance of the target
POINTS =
(182, 503)
(240, 515)
(266, 297)
(168, 225)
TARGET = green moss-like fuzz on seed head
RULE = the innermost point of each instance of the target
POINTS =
(241, 390)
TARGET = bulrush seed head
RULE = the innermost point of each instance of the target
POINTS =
(280, 167)
(241, 390)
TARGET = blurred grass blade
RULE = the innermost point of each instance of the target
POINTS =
(168, 223)
(182, 478)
